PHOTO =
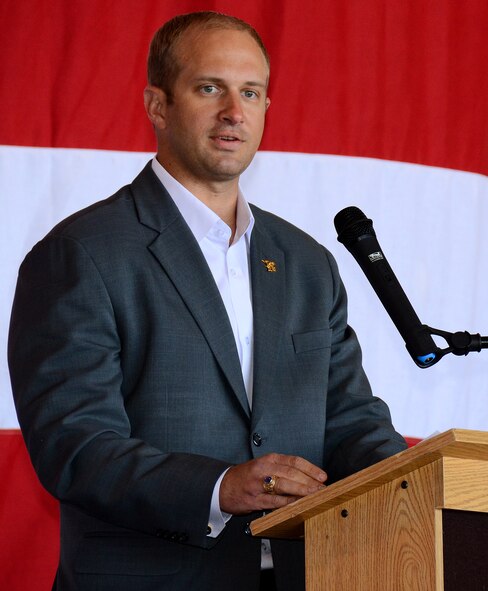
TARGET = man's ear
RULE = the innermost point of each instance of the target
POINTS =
(267, 103)
(155, 101)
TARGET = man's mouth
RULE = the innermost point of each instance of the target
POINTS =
(227, 137)
(227, 143)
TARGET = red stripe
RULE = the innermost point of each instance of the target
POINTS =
(398, 80)
(29, 516)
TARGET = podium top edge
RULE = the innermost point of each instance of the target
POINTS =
(468, 435)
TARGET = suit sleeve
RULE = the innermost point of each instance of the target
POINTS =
(359, 427)
(64, 358)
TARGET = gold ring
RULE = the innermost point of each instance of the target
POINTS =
(269, 483)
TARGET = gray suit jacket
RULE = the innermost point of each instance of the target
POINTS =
(130, 395)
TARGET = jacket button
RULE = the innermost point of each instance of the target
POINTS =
(247, 529)
(257, 439)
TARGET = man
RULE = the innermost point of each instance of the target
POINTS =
(181, 362)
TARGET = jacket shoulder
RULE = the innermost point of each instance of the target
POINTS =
(98, 214)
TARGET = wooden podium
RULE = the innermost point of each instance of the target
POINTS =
(417, 521)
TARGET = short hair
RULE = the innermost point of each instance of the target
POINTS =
(163, 67)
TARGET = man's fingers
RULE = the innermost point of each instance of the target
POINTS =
(297, 475)
(269, 482)
(295, 466)
(284, 486)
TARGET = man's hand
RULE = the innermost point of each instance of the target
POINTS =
(241, 490)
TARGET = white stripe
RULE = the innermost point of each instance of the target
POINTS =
(429, 221)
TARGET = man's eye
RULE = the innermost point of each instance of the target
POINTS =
(250, 94)
(208, 89)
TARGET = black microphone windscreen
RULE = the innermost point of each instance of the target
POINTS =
(351, 224)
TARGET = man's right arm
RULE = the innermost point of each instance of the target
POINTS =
(64, 357)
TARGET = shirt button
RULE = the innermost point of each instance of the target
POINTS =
(257, 439)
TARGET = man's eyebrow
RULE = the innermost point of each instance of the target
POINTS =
(216, 80)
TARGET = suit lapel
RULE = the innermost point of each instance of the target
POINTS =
(178, 253)
(268, 287)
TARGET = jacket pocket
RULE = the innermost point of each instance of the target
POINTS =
(310, 341)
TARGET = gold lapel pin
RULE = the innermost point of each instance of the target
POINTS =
(270, 265)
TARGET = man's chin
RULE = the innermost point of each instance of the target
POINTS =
(228, 171)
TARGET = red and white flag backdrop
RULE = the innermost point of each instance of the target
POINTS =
(381, 104)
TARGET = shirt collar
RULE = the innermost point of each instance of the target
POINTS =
(200, 218)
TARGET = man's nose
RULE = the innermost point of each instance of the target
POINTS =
(232, 110)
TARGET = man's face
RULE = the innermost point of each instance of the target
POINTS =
(214, 123)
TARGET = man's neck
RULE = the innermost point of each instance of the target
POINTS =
(219, 196)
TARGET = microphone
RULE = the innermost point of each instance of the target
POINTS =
(356, 232)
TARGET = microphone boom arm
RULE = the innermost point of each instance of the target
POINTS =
(459, 343)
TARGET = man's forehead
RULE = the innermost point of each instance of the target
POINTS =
(193, 38)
